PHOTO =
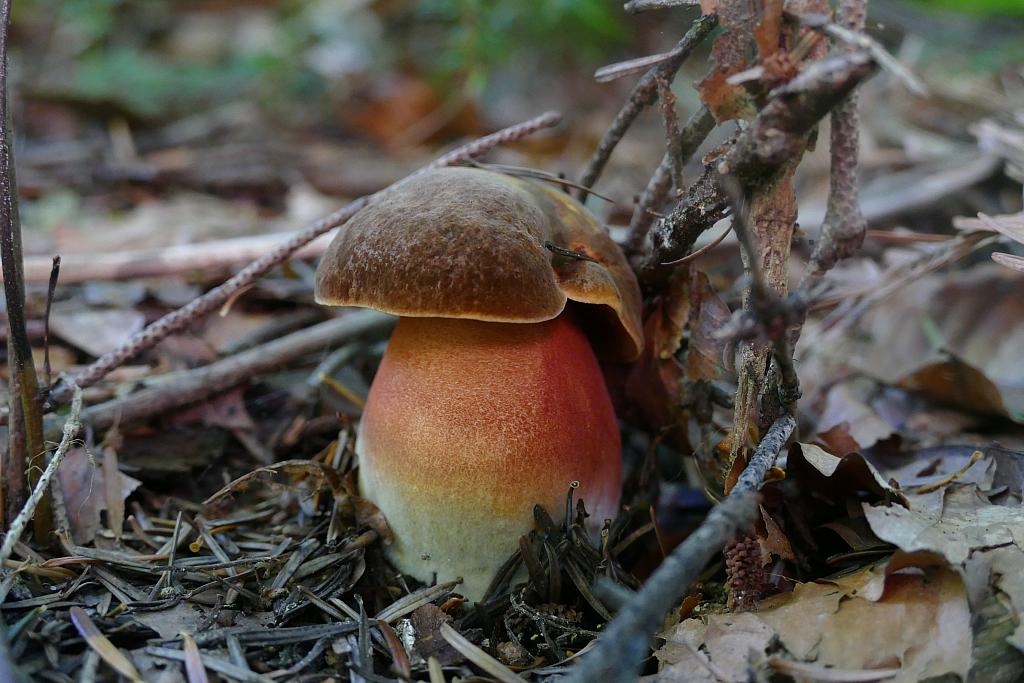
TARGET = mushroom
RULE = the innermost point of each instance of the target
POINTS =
(489, 398)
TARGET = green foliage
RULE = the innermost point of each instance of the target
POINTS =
(149, 86)
(979, 7)
(136, 54)
(477, 36)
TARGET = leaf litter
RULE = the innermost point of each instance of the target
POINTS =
(886, 549)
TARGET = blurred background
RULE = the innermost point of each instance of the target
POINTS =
(271, 103)
(146, 124)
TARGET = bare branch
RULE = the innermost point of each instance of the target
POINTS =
(179, 390)
(625, 641)
(655, 194)
(777, 135)
(635, 6)
(843, 229)
(644, 94)
(70, 431)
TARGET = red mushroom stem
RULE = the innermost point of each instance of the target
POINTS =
(469, 424)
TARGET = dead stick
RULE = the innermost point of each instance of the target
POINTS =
(635, 6)
(644, 94)
(844, 227)
(175, 391)
(626, 641)
(70, 431)
(697, 128)
(215, 298)
(214, 256)
(776, 136)
(25, 436)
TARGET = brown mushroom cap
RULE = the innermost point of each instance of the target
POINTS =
(470, 243)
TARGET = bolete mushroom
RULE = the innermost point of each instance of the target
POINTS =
(489, 397)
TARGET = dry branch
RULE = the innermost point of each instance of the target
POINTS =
(844, 226)
(216, 297)
(776, 136)
(697, 128)
(25, 448)
(644, 94)
(214, 255)
(626, 640)
(194, 385)
(71, 427)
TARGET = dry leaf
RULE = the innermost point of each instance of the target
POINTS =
(85, 493)
(954, 337)
(102, 645)
(954, 522)
(910, 614)
(848, 412)
(849, 474)
(95, 331)
(729, 57)
(982, 541)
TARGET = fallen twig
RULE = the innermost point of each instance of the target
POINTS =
(644, 94)
(625, 642)
(213, 299)
(775, 137)
(22, 460)
(194, 385)
(71, 427)
(693, 134)
(634, 6)
(198, 257)
(844, 227)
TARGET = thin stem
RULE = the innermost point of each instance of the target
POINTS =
(70, 431)
(25, 436)
(644, 94)
(625, 642)
(696, 130)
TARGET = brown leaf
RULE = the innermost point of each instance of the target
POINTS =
(954, 337)
(956, 383)
(649, 391)
(708, 314)
(407, 111)
(426, 622)
(772, 539)
(95, 331)
(921, 624)
(767, 35)
(86, 492)
(910, 614)
(1002, 568)
(826, 473)
(847, 408)
(225, 410)
(954, 521)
